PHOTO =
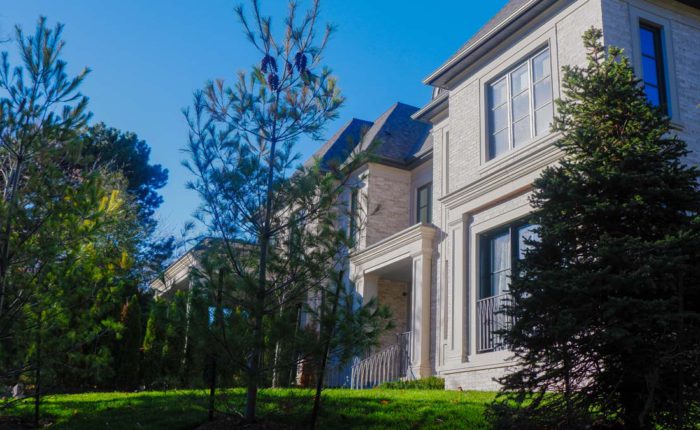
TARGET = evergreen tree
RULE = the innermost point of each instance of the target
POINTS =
(254, 199)
(128, 376)
(606, 304)
(175, 340)
(153, 342)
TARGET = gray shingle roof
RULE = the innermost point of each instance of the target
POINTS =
(341, 144)
(396, 138)
(399, 139)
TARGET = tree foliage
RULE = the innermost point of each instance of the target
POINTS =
(276, 224)
(607, 303)
(70, 229)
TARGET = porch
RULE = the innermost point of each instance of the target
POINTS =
(397, 272)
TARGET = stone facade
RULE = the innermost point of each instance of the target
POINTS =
(472, 195)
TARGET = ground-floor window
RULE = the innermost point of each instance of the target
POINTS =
(499, 252)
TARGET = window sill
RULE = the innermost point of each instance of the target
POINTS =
(511, 157)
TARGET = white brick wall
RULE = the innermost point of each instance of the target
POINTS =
(682, 39)
(388, 198)
(478, 380)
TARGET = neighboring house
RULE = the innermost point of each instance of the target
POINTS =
(176, 276)
(445, 198)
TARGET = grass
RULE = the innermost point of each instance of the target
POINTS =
(342, 409)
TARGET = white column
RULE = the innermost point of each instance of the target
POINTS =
(420, 311)
(367, 287)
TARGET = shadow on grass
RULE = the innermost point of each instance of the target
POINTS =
(341, 409)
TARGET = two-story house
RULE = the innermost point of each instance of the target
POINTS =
(445, 198)
(443, 264)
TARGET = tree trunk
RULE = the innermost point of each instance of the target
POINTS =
(324, 359)
(37, 381)
(259, 310)
(218, 320)
(212, 387)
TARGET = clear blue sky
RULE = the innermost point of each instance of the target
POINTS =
(147, 57)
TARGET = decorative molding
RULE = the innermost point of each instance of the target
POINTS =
(505, 170)
(418, 233)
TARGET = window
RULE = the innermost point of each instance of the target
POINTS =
(354, 202)
(520, 104)
(653, 73)
(423, 197)
(499, 250)
(297, 223)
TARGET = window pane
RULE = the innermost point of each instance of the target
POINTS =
(652, 95)
(500, 263)
(521, 105)
(521, 131)
(499, 143)
(543, 92)
(649, 71)
(540, 66)
(497, 93)
(519, 79)
(499, 118)
(543, 120)
(647, 41)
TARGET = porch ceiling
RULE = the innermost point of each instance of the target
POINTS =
(397, 271)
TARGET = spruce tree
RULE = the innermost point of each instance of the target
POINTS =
(606, 303)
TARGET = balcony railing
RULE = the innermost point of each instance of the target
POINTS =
(389, 364)
(489, 320)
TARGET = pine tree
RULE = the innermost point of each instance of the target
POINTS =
(606, 304)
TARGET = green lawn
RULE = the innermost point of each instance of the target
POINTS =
(342, 409)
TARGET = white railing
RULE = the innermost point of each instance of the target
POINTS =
(489, 320)
(389, 364)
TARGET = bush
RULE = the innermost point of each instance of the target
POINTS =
(431, 383)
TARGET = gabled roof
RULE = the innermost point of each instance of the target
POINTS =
(399, 138)
(395, 138)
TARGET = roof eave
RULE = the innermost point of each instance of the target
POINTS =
(429, 111)
(441, 76)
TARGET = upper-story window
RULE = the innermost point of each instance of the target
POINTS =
(354, 213)
(653, 69)
(520, 104)
(423, 206)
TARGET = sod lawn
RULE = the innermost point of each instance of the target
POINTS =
(281, 408)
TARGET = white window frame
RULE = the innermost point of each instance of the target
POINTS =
(507, 77)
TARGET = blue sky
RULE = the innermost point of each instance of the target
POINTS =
(148, 56)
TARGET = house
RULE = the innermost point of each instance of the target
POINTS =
(445, 198)
(440, 251)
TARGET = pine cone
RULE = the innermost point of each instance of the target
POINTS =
(273, 81)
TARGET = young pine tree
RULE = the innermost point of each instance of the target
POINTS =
(607, 303)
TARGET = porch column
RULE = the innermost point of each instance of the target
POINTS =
(420, 314)
(367, 287)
